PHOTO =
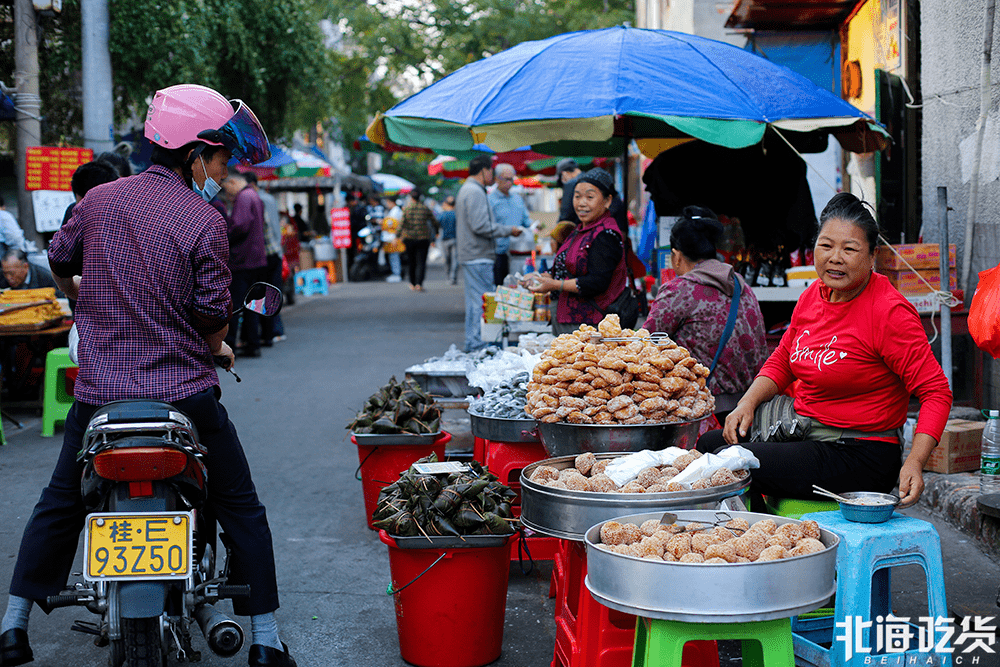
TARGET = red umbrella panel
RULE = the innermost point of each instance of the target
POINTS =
(525, 163)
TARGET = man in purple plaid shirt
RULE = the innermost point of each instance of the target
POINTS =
(146, 258)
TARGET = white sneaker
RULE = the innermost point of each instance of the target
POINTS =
(278, 339)
(393, 279)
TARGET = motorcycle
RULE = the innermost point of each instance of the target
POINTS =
(150, 538)
(366, 265)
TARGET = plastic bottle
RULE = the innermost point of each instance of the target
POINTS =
(989, 468)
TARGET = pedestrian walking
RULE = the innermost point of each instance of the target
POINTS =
(476, 231)
(508, 210)
(446, 221)
(392, 244)
(417, 231)
(247, 257)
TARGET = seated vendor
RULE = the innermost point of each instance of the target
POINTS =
(19, 273)
(858, 351)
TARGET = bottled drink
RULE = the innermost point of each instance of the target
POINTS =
(989, 470)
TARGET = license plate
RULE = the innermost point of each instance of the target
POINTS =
(138, 546)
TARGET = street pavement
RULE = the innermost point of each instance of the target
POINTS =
(290, 411)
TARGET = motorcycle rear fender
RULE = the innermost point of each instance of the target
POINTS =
(142, 599)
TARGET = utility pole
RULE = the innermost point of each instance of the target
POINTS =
(97, 94)
(29, 108)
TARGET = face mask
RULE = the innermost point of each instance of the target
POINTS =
(211, 187)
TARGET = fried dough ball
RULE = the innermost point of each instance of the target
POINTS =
(669, 557)
(649, 546)
(578, 388)
(610, 326)
(679, 545)
(633, 487)
(715, 561)
(694, 527)
(638, 367)
(738, 524)
(675, 486)
(668, 472)
(613, 533)
(557, 484)
(722, 550)
(538, 413)
(621, 549)
(742, 473)
(543, 473)
(584, 462)
(599, 466)
(673, 528)
(807, 545)
(604, 417)
(566, 374)
(767, 525)
(702, 541)
(780, 540)
(702, 483)
(648, 476)
(683, 461)
(743, 559)
(566, 473)
(810, 529)
(619, 403)
(627, 412)
(646, 387)
(602, 484)
(750, 545)
(637, 419)
(661, 362)
(563, 411)
(572, 402)
(612, 363)
(597, 397)
(653, 404)
(549, 419)
(791, 530)
(577, 417)
(599, 383)
(684, 414)
(692, 557)
(613, 378)
(772, 553)
(650, 526)
(724, 534)
(723, 476)
(653, 557)
(657, 488)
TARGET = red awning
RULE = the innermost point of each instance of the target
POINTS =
(790, 14)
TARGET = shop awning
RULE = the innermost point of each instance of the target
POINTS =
(790, 14)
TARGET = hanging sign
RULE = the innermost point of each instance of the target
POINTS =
(50, 168)
(340, 227)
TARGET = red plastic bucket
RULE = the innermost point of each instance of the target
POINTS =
(450, 603)
(380, 465)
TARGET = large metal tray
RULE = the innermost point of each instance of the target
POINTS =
(503, 430)
(389, 439)
(438, 542)
(699, 593)
(568, 514)
(444, 383)
(562, 439)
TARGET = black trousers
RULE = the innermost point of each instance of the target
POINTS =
(50, 539)
(501, 267)
(250, 329)
(789, 469)
(416, 260)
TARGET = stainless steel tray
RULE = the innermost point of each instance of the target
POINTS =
(562, 439)
(466, 542)
(444, 383)
(389, 439)
(699, 593)
(568, 514)
(503, 430)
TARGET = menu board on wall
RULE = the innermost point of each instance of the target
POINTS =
(49, 168)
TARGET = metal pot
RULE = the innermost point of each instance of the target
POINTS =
(568, 514)
(699, 593)
(562, 439)
(503, 430)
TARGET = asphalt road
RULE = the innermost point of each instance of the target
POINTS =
(290, 411)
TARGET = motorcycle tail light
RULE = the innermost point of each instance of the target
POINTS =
(137, 464)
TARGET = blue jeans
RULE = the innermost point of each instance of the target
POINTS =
(394, 263)
(478, 281)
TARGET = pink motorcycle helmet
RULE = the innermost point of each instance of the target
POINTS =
(185, 113)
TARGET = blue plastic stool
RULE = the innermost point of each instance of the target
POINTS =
(311, 281)
(865, 554)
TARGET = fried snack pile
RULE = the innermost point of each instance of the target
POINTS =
(587, 474)
(34, 314)
(583, 380)
(736, 542)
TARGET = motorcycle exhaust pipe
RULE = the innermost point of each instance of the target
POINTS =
(223, 634)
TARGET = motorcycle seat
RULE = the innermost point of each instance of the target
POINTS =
(133, 411)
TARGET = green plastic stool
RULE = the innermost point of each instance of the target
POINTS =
(56, 401)
(793, 508)
(661, 643)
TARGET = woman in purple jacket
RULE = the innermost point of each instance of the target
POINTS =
(693, 309)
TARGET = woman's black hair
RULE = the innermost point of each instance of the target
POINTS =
(847, 207)
(177, 158)
(696, 234)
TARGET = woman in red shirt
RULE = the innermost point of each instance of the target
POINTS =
(859, 351)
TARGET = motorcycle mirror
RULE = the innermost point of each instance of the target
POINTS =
(263, 299)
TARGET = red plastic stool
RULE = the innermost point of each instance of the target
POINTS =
(588, 634)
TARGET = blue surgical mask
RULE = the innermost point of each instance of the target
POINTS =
(211, 187)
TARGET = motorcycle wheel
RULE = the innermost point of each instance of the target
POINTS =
(141, 637)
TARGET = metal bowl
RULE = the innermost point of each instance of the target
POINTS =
(700, 593)
(568, 514)
(562, 439)
(503, 430)
(871, 507)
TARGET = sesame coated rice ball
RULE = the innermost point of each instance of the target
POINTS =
(679, 545)
(683, 461)
(701, 541)
(544, 473)
(633, 487)
(701, 483)
(602, 484)
(648, 476)
(739, 524)
(668, 472)
(675, 486)
(792, 530)
(657, 488)
(650, 527)
(805, 546)
(692, 557)
(750, 545)
(781, 540)
(598, 468)
(725, 550)
(613, 532)
(810, 529)
(632, 533)
(716, 561)
(772, 553)
(723, 476)
(650, 546)
(585, 462)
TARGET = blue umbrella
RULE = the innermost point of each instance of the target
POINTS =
(589, 92)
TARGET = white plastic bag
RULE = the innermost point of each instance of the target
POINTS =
(625, 468)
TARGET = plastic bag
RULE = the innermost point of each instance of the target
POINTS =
(984, 312)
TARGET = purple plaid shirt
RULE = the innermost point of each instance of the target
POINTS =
(153, 260)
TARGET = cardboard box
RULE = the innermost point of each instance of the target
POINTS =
(928, 303)
(519, 298)
(959, 448)
(919, 255)
(908, 283)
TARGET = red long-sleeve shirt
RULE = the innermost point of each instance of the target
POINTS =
(860, 361)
